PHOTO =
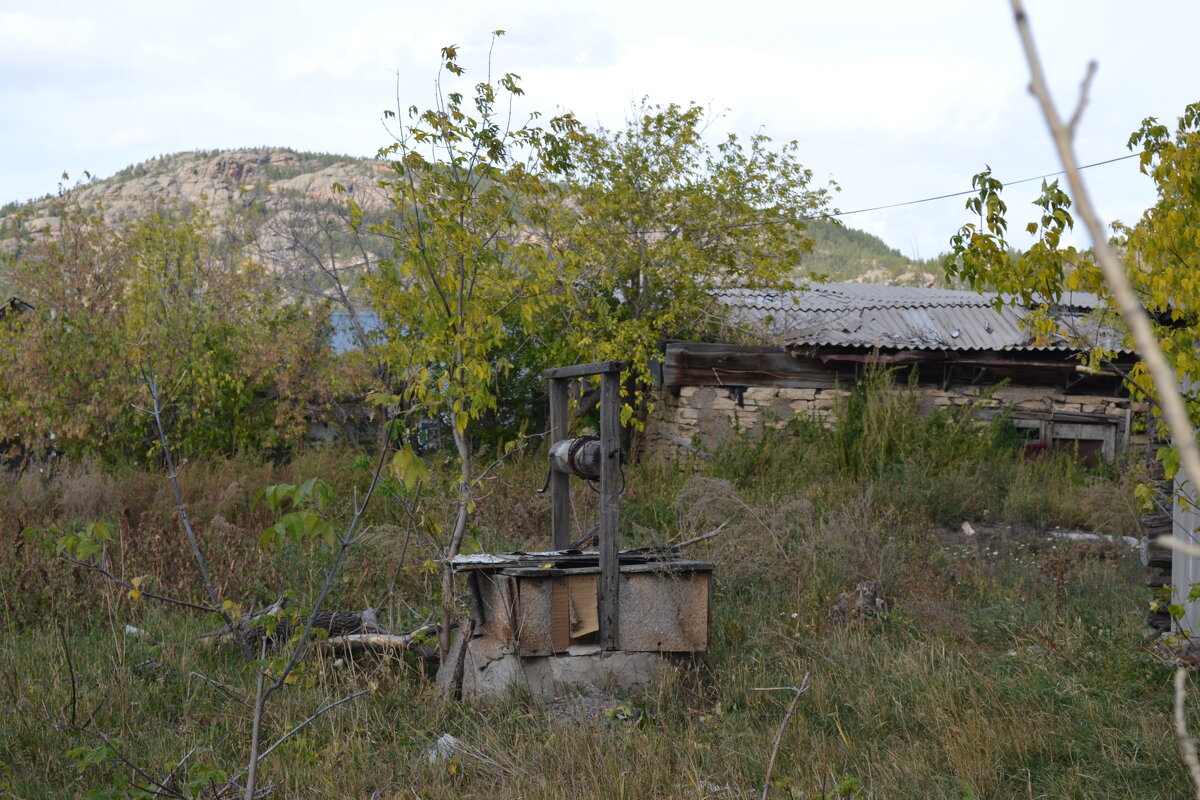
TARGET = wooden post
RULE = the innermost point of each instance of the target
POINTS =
(560, 482)
(610, 478)
(608, 587)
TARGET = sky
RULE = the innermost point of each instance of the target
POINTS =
(894, 101)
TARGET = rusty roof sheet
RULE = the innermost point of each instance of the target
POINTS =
(906, 317)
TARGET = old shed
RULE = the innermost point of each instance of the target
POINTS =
(809, 348)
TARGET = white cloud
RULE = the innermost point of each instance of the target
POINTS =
(25, 36)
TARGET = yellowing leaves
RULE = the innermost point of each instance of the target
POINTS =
(135, 593)
(408, 468)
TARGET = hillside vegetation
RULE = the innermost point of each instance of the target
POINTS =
(842, 253)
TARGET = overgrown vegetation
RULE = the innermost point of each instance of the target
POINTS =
(1005, 664)
(154, 300)
(894, 563)
(1160, 254)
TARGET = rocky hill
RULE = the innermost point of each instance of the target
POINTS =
(280, 196)
(279, 201)
(224, 181)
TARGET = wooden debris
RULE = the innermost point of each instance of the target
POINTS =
(354, 630)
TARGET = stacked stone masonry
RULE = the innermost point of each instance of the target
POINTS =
(701, 416)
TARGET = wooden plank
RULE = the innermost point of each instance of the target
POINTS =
(560, 609)
(719, 364)
(583, 370)
(665, 613)
(702, 364)
(585, 617)
(680, 378)
(610, 480)
(560, 482)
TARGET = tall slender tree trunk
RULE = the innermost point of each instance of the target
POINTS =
(463, 445)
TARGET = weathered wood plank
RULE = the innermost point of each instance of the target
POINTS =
(718, 364)
(560, 482)
(583, 370)
(610, 480)
(703, 364)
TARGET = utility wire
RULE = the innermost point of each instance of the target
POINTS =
(766, 222)
(961, 194)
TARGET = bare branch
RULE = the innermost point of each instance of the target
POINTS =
(100, 568)
(151, 786)
(181, 506)
(1083, 98)
(70, 668)
(225, 689)
(379, 641)
(260, 701)
(1165, 380)
(798, 690)
(263, 694)
(697, 539)
(1178, 544)
(1187, 743)
(330, 576)
(179, 765)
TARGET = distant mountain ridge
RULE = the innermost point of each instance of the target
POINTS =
(221, 180)
(259, 184)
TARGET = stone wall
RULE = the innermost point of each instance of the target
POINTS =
(701, 416)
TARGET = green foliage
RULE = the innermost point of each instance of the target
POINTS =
(80, 542)
(157, 299)
(658, 217)
(981, 256)
(307, 522)
(880, 428)
(842, 253)
(942, 466)
(1163, 247)
(1162, 250)
(1000, 654)
(465, 283)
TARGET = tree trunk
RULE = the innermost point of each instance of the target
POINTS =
(465, 491)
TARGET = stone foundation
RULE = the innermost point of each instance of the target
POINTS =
(701, 416)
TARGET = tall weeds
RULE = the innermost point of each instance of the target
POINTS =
(1003, 665)
(945, 466)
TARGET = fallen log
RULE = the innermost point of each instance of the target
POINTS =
(411, 641)
(347, 630)
(277, 626)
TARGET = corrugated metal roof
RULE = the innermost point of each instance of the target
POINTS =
(905, 317)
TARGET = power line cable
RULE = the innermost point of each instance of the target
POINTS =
(960, 194)
(830, 215)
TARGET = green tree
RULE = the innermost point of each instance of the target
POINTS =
(658, 218)
(466, 279)
(154, 299)
(64, 369)
(1162, 249)
(981, 256)
(234, 362)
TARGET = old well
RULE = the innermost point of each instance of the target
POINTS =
(571, 615)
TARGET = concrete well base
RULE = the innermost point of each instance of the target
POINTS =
(491, 671)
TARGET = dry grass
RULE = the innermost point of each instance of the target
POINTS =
(1006, 665)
